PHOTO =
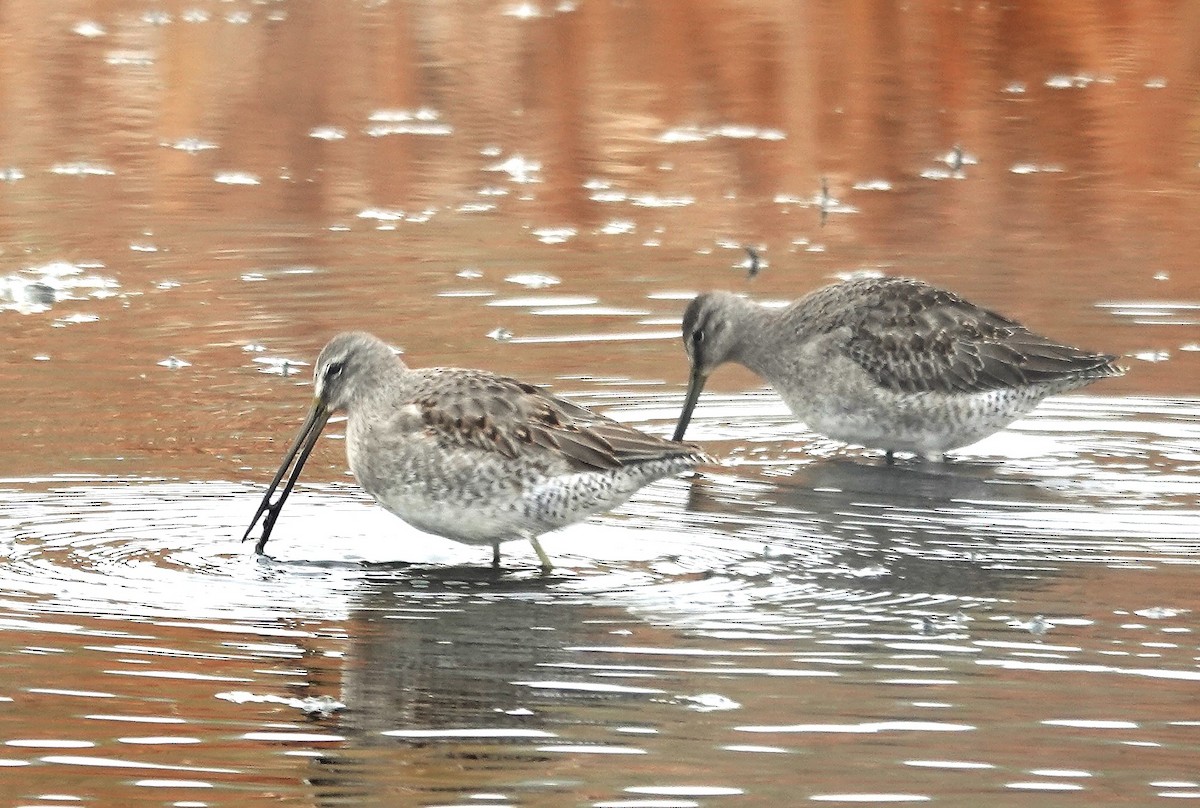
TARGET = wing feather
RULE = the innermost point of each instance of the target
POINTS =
(493, 413)
(913, 337)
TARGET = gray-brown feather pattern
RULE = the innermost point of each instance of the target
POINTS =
(499, 414)
(912, 337)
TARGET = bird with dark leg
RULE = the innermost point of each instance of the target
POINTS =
(887, 363)
(470, 455)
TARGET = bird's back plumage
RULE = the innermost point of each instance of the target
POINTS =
(911, 337)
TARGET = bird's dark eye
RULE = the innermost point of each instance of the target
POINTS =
(697, 336)
(334, 370)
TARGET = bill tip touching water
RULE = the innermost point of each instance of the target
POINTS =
(886, 363)
(466, 454)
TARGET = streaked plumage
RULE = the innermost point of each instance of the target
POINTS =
(888, 363)
(469, 455)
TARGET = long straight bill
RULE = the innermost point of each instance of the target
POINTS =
(695, 386)
(303, 445)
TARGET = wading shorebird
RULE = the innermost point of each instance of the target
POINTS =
(469, 455)
(886, 363)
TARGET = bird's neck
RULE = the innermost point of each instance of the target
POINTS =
(756, 331)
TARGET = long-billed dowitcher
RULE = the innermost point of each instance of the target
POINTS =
(469, 455)
(887, 363)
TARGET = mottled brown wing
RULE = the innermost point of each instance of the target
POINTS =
(912, 337)
(505, 415)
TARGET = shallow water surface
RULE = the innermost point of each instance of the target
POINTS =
(193, 198)
(854, 630)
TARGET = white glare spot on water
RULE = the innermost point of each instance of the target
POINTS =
(644, 803)
(873, 185)
(518, 168)
(322, 706)
(1156, 82)
(327, 133)
(1035, 625)
(293, 737)
(237, 178)
(75, 319)
(867, 727)
(500, 334)
(1015, 87)
(695, 134)
(1044, 786)
(191, 145)
(1061, 81)
(82, 169)
(129, 58)
(710, 702)
(381, 214)
(1080, 723)
(544, 300)
(956, 158)
(1152, 355)
(582, 749)
(1161, 612)
(655, 201)
(143, 246)
(948, 764)
(156, 18)
(279, 366)
(237, 17)
(48, 743)
(195, 15)
(1032, 168)
(872, 798)
(469, 732)
(174, 363)
(686, 791)
(940, 174)
(167, 285)
(469, 272)
(423, 121)
(89, 29)
(523, 11)
(11, 174)
(555, 235)
(118, 763)
(618, 227)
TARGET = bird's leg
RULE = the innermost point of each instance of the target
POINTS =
(541, 554)
(889, 457)
(496, 554)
